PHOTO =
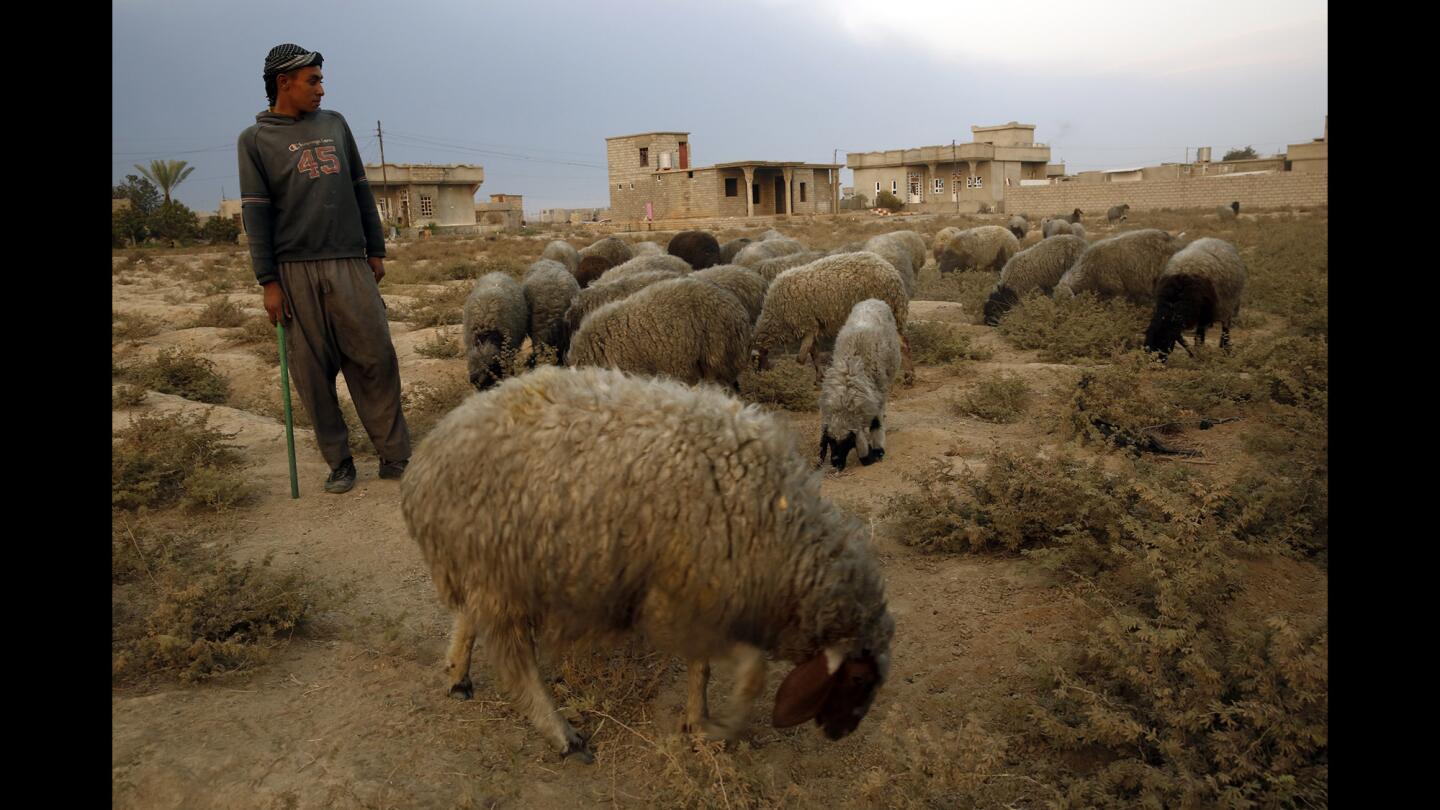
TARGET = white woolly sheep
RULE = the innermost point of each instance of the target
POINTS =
(601, 256)
(495, 322)
(645, 249)
(756, 252)
(1077, 229)
(896, 249)
(1038, 267)
(770, 268)
(809, 303)
(643, 264)
(1052, 226)
(1123, 266)
(1201, 284)
(1018, 226)
(857, 385)
(745, 284)
(986, 247)
(1227, 213)
(612, 504)
(549, 289)
(598, 295)
(682, 328)
(561, 251)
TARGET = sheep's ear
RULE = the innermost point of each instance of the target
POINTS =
(803, 692)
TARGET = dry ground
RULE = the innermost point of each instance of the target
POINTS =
(352, 712)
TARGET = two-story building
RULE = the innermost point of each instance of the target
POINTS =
(651, 178)
(959, 176)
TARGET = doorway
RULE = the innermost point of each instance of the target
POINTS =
(780, 195)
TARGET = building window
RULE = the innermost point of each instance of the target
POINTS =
(690, 175)
(755, 193)
(427, 206)
(802, 192)
(939, 185)
(894, 186)
(619, 186)
(632, 185)
(877, 188)
(384, 208)
(974, 182)
(644, 156)
(732, 187)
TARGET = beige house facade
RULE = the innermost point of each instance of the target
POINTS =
(504, 211)
(652, 178)
(418, 195)
(1313, 156)
(950, 177)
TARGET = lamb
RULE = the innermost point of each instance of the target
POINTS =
(1118, 213)
(643, 264)
(495, 321)
(857, 385)
(613, 504)
(549, 288)
(896, 249)
(734, 246)
(1039, 267)
(598, 295)
(756, 252)
(698, 248)
(601, 256)
(1052, 226)
(689, 330)
(770, 268)
(1123, 266)
(1200, 284)
(986, 247)
(561, 251)
(812, 302)
(1018, 226)
(1227, 213)
(745, 284)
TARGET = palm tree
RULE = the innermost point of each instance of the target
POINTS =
(167, 174)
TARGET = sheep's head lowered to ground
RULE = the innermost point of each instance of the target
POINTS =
(485, 357)
(1181, 302)
(835, 688)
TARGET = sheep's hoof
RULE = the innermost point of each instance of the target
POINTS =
(878, 453)
(579, 749)
(868, 460)
(463, 690)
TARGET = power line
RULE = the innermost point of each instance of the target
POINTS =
(523, 149)
(411, 140)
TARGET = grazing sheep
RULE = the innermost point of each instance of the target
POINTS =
(986, 247)
(611, 504)
(1039, 267)
(772, 234)
(642, 264)
(1118, 213)
(1123, 266)
(756, 252)
(734, 246)
(857, 385)
(598, 295)
(770, 268)
(682, 328)
(601, 256)
(1072, 217)
(1201, 284)
(812, 302)
(645, 249)
(561, 251)
(549, 289)
(1053, 226)
(745, 284)
(1227, 213)
(895, 249)
(495, 321)
(1018, 226)
(699, 248)
(1077, 229)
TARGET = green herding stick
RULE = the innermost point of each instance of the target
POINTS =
(289, 420)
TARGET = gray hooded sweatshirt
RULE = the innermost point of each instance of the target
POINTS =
(303, 193)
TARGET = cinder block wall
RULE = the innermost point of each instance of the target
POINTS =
(1256, 191)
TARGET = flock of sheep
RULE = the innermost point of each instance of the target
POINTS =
(631, 491)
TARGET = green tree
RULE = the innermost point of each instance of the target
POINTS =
(889, 201)
(167, 174)
(173, 221)
(1248, 153)
(127, 227)
(141, 193)
(220, 230)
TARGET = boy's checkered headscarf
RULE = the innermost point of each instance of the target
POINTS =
(287, 57)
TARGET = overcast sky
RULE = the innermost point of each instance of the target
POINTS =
(531, 90)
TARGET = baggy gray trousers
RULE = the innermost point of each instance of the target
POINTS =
(338, 324)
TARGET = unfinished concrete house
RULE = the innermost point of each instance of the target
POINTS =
(417, 195)
(961, 176)
(504, 212)
(651, 178)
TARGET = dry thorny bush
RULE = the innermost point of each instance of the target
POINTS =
(939, 343)
(181, 372)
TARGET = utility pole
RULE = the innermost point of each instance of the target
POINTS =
(954, 172)
(835, 185)
(384, 179)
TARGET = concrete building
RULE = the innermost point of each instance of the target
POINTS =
(574, 216)
(417, 195)
(651, 178)
(1310, 157)
(967, 175)
(504, 210)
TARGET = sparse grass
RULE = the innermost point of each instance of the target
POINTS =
(126, 396)
(432, 307)
(223, 313)
(181, 372)
(133, 326)
(162, 460)
(425, 405)
(969, 289)
(936, 343)
(445, 343)
(1001, 398)
(259, 334)
(786, 385)
(1076, 329)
